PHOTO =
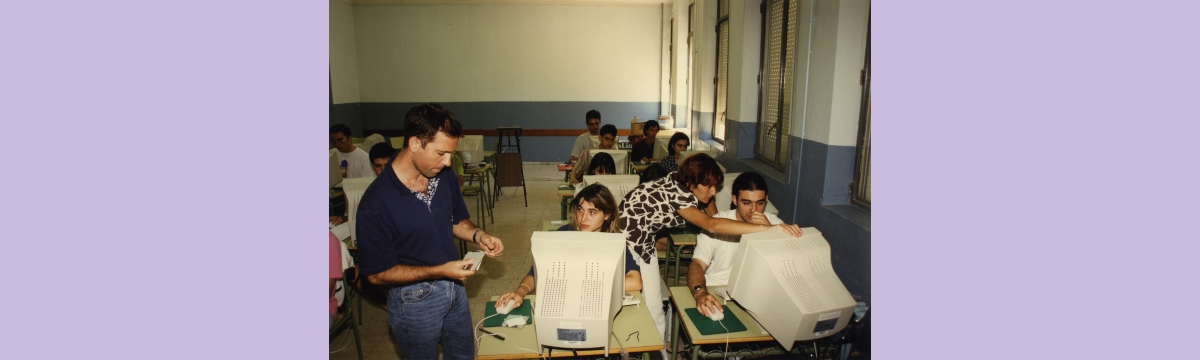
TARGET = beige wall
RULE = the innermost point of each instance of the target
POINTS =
(343, 66)
(839, 37)
(416, 53)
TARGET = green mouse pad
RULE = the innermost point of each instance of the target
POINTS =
(525, 309)
(709, 327)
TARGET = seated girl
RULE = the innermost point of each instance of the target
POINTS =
(593, 209)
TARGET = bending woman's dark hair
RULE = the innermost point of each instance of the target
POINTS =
(699, 169)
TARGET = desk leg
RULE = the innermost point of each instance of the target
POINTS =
(563, 204)
(678, 259)
(675, 322)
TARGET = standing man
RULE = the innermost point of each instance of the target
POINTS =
(713, 258)
(407, 222)
(584, 142)
(643, 151)
(353, 160)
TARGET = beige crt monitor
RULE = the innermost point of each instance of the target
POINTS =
(789, 286)
(618, 185)
(620, 158)
(335, 170)
(580, 283)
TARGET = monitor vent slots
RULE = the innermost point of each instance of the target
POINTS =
(591, 304)
(800, 286)
(556, 289)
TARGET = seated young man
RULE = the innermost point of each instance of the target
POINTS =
(643, 151)
(713, 258)
(608, 140)
(584, 142)
(353, 160)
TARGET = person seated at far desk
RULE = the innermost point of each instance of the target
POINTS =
(380, 154)
(643, 150)
(675, 148)
(713, 258)
(608, 141)
(584, 142)
(593, 210)
(353, 160)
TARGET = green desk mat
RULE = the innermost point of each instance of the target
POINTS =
(709, 327)
(489, 309)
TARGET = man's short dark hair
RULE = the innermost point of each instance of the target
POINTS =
(425, 120)
(592, 114)
(381, 150)
(602, 160)
(750, 181)
(608, 129)
(649, 124)
(340, 128)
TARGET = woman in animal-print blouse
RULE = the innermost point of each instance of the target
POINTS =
(669, 201)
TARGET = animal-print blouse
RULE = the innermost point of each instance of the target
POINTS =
(651, 207)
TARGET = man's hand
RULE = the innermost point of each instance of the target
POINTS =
(337, 220)
(707, 303)
(791, 229)
(758, 218)
(510, 295)
(491, 245)
(454, 269)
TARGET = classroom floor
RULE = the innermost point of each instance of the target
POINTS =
(514, 224)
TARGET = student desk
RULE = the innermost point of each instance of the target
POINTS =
(566, 169)
(682, 299)
(548, 225)
(631, 319)
(480, 174)
(567, 195)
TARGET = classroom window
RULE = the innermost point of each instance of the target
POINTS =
(775, 85)
(722, 79)
(860, 187)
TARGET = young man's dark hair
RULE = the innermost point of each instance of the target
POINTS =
(340, 128)
(425, 120)
(649, 124)
(381, 151)
(592, 114)
(602, 161)
(750, 181)
(652, 172)
(609, 129)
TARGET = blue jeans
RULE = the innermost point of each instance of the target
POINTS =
(429, 313)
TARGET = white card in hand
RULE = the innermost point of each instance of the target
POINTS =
(478, 256)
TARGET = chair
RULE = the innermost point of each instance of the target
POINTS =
(470, 143)
(509, 172)
(370, 141)
(509, 139)
(397, 142)
(347, 312)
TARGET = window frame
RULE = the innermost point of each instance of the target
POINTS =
(860, 186)
(780, 161)
(719, 113)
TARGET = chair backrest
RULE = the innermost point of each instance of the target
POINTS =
(470, 143)
(508, 170)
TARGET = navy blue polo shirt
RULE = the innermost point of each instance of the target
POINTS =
(395, 227)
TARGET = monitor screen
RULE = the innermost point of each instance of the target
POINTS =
(580, 283)
(620, 158)
(789, 287)
(470, 143)
(618, 185)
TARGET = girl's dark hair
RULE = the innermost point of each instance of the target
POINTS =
(604, 160)
(602, 199)
(671, 144)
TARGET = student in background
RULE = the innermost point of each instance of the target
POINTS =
(713, 258)
(592, 210)
(643, 151)
(584, 142)
(608, 140)
(675, 147)
(353, 160)
(380, 154)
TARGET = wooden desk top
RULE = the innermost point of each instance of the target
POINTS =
(683, 239)
(566, 167)
(567, 192)
(682, 299)
(630, 319)
(478, 170)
